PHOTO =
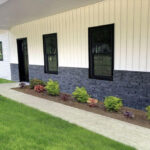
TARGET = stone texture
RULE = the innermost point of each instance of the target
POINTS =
(132, 87)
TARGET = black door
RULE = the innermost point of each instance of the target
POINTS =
(23, 60)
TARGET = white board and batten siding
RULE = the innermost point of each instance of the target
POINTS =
(5, 63)
(132, 34)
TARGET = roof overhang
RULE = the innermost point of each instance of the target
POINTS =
(14, 12)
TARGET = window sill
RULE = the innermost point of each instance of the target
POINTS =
(101, 78)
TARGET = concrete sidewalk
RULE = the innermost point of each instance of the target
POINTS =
(123, 132)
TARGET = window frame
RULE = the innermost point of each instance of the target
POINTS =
(44, 52)
(91, 61)
(2, 51)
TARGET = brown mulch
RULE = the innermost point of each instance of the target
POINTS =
(139, 119)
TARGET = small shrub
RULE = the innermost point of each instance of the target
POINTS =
(80, 94)
(65, 97)
(39, 88)
(113, 103)
(92, 102)
(22, 85)
(148, 112)
(35, 82)
(52, 88)
(128, 114)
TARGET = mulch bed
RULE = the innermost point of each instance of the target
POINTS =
(139, 119)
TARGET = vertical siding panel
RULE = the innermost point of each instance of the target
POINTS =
(70, 36)
(13, 47)
(148, 44)
(48, 25)
(52, 24)
(80, 50)
(95, 14)
(63, 40)
(101, 13)
(65, 32)
(31, 43)
(86, 36)
(117, 34)
(83, 34)
(79, 54)
(58, 36)
(144, 29)
(137, 35)
(130, 29)
(60, 44)
(67, 38)
(112, 10)
(75, 36)
(34, 49)
(123, 34)
(44, 26)
(91, 11)
(35, 46)
(106, 12)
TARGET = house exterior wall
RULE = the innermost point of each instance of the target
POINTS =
(132, 49)
(132, 34)
(5, 64)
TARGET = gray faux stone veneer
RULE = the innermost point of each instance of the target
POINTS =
(132, 87)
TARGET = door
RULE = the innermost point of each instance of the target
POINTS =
(23, 60)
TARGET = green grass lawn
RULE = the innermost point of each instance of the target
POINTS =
(24, 128)
(5, 81)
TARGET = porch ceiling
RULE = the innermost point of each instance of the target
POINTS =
(13, 12)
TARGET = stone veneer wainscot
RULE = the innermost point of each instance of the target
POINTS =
(132, 87)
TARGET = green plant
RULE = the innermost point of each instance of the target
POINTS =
(34, 82)
(112, 103)
(148, 112)
(81, 94)
(52, 88)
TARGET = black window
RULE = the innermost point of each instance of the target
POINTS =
(50, 53)
(1, 52)
(101, 52)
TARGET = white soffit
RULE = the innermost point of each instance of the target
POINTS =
(13, 12)
(3, 1)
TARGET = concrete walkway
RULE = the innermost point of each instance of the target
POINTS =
(123, 132)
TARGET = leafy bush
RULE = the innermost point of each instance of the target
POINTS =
(92, 102)
(113, 103)
(52, 88)
(22, 85)
(148, 112)
(65, 97)
(80, 94)
(35, 82)
(39, 88)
